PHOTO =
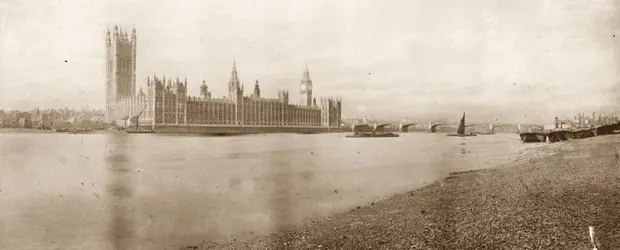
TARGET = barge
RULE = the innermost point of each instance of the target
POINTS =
(372, 135)
(533, 137)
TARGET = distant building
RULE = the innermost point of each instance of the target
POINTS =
(4, 119)
(166, 101)
(24, 120)
(73, 120)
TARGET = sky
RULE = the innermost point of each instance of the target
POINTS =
(517, 61)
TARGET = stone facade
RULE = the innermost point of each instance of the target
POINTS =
(166, 101)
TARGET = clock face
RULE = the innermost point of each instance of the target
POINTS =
(303, 87)
(309, 87)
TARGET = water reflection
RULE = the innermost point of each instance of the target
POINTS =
(120, 192)
(463, 146)
(282, 184)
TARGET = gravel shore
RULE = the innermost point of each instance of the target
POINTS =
(545, 203)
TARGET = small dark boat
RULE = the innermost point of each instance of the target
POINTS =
(582, 133)
(605, 129)
(80, 131)
(533, 137)
(594, 131)
(137, 130)
(559, 135)
(461, 129)
(61, 130)
(307, 133)
(463, 135)
(372, 135)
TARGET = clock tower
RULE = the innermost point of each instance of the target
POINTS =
(305, 89)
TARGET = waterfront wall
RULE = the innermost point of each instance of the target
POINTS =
(210, 129)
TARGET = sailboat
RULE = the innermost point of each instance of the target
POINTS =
(138, 130)
(461, 130)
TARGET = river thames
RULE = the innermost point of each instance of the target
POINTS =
(143, 191)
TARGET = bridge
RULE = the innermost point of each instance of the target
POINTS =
(374, 127)
(404, 126)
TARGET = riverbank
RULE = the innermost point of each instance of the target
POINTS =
(24, 130)
(541, 203)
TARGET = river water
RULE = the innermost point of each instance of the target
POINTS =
(143, 191)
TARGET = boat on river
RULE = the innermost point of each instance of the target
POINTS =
(533, 137)
(460, 132)
(372, 135)
(559, 135)
(582, 133)
(137, 130)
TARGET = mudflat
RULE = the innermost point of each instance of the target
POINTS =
(544, 203)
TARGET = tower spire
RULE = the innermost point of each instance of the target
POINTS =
(306, 88)
(233, 75)
(306, 77)
(233, 82)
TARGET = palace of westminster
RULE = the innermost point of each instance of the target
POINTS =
(166, 100)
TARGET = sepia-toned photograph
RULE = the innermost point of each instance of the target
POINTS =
(309, 124)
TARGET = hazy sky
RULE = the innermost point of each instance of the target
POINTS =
(412, 58)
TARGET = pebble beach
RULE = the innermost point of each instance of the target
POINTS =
(543, 203)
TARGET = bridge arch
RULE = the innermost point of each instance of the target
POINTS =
(434, 127)
(505, 125)
(405, 127)
(362, 128)
(382, 126)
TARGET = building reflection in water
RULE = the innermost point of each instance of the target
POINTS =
(280, 203)
(289, 176)
(119, 191)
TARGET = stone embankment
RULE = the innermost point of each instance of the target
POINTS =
(545, 203)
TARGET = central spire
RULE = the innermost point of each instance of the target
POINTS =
(234, 84)
(233, 75)
(306, 77)
(234, 78)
